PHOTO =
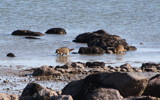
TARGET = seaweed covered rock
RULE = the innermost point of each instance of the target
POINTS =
(91, 50)
(56, 31)
(27, 33)
(103, 40)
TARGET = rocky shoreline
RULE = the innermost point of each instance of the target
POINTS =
(85, 81)
(90, 81)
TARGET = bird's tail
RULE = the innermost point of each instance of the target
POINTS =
(71, 49)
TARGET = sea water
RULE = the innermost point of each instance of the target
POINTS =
(137, 21)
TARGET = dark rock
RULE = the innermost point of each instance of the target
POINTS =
(75, 89)
(36, 92)
(128, 84)
(104, 43)
(27, 33)
(103, 94)
(95, 64)
(46, 71)
(10, 55)
(56, 31)
(153, 88)
(82, 38)
(61, 97)
(31, 37)
(91, 50)
(150, 67)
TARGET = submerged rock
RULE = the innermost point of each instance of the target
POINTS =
(27, 33)
(31, 37)
(56, 31)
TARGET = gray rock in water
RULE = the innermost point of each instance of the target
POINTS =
(27, 33)
(11, 55)
(56, 31)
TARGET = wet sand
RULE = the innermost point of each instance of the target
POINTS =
(13, 80)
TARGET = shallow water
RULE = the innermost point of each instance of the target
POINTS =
(136, 21)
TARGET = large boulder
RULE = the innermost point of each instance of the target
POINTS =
(91, 50)
(128, 84)
(27, 33)
(46, 71)
(56, 31)
(5, 96)
(34, 91)
(153, 88)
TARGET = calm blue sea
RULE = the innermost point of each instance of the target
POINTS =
(137, 21)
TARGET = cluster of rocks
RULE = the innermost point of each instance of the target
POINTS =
(78, 70)
(100, 42)
(93, 81)
(30, 34)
